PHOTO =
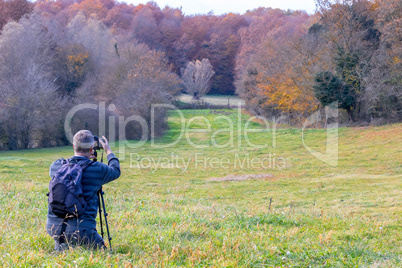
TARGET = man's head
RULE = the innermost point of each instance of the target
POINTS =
(83, 141)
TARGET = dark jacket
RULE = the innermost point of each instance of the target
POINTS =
(93, 178)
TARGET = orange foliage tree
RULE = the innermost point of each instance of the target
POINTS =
(282, 92)
(72, 65)
(274, 71)
(90, 8)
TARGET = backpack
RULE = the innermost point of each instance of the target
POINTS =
(66, 198)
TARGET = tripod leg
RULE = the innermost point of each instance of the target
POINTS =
(100, 210)
(107, 225)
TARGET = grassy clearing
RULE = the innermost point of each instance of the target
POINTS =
(176, 212)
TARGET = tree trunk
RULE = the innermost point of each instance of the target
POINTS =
(350, 114)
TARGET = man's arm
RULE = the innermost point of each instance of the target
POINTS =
(112, 170)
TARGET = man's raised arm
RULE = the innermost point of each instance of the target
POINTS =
(112, 170)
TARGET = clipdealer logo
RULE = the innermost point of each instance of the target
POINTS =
(238, 132)
(200, 160)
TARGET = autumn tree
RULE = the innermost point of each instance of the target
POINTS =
(196, 77)
(280, 82)
(383, 92)
(91, 8)
(13, 10)
(94, 50)
(145, 25)
(272, 77)
(32, 110)
(170, 27)
(72, 64)
(263, 23)
(119, 17)
(222, 49)
(137, 80)
(353, 39)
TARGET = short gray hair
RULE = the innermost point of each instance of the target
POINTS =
(83, 140)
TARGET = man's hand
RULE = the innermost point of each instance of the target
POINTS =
(105, 145)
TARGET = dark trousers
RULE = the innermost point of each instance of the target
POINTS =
(75, 236)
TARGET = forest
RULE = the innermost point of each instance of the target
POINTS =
(58, 54)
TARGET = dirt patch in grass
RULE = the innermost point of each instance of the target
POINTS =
(247, 177)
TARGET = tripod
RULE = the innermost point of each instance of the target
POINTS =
(101, 204)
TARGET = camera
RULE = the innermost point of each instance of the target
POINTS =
(97, 144)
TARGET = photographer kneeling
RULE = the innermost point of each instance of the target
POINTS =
(73, 188)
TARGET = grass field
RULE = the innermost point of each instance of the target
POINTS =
(188, 206)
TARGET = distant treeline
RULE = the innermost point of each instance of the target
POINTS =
(56, 54)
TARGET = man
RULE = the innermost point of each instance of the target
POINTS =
(82, 230)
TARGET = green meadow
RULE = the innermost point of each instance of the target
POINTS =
(206, 196)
